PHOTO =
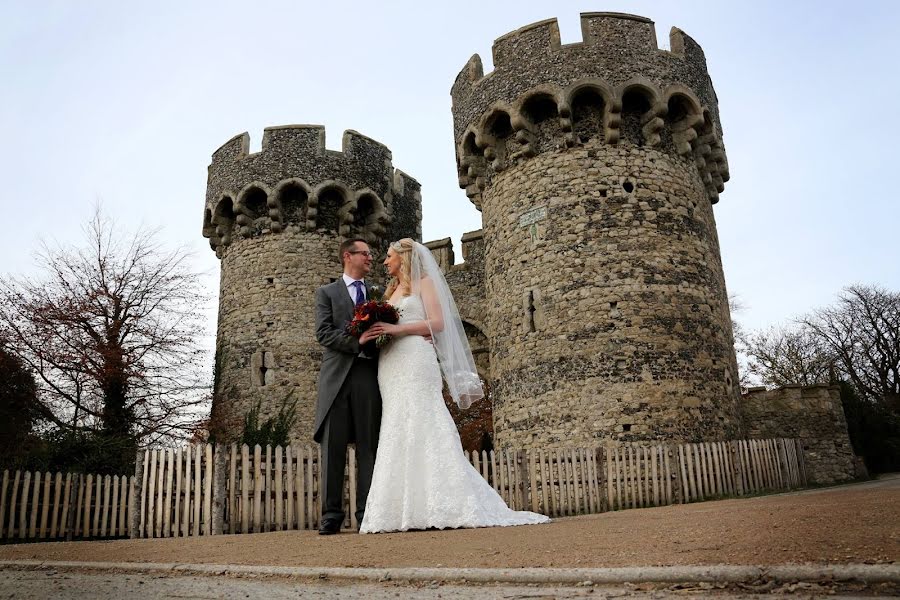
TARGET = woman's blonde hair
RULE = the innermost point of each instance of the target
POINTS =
(404, 248)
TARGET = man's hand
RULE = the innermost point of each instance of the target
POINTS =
(367, 336)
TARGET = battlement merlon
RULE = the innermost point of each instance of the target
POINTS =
(404, 184)
(303, 140)
(360, 146)
(442, 250)
(523, 43)
(234, 149)
(683, 45)
(406, 207)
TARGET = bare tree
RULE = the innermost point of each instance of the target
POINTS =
(745, 378)
(862, 330)
(111, 331)
(782, 356)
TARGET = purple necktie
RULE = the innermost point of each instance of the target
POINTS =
(360, 292)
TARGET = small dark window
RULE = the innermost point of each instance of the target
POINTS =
(530, 308)
(614, 310)
(626, 427)
(628, 186)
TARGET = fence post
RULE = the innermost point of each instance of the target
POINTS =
(673, 458)
(135, 502)
(600, 472)
(801, 462)
(734, 449)
(70, 514)
(218, 499)
(523, 478)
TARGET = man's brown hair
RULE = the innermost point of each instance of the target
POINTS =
(347, 245)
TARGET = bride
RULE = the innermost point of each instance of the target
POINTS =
(422, 479)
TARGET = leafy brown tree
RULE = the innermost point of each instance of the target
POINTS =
(111, 331)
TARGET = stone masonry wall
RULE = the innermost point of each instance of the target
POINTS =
(812, 413)
(595, 166)
(609, 323)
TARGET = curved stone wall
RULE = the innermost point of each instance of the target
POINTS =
(595, 166)
(276, 218)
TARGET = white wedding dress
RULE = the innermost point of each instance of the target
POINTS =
(422, 478)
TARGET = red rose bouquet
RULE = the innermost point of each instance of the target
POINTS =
(368, 313)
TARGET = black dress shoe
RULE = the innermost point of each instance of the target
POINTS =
(329, 527)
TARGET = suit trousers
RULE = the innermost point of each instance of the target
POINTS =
(355, 415)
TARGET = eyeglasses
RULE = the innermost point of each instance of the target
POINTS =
(363, 252)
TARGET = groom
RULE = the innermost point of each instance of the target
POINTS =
(349, 405)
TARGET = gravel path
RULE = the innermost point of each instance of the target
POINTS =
(849, 524)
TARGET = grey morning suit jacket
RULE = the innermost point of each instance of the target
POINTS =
(334, 309)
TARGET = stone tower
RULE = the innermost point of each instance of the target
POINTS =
(595, 166)
(275, 219)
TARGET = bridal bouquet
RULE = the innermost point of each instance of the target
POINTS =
(368, 313)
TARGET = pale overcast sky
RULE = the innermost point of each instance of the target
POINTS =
(126, 101)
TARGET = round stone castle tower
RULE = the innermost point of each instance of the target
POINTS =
(275, 219)
(595, 166)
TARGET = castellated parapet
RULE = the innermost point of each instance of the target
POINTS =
(595, 166)
(275, 218)
(543, 94)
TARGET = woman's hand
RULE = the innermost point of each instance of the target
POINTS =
(381, 328)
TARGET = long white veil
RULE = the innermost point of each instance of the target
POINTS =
(451, 344)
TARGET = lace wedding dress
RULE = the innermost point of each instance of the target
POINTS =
(422, 478)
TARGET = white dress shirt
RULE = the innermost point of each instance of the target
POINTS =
(349, 281)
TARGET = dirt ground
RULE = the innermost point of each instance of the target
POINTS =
(850, 524)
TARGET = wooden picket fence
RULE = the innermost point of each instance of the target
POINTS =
(36, 506)
(257, 490)
(202, 490)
